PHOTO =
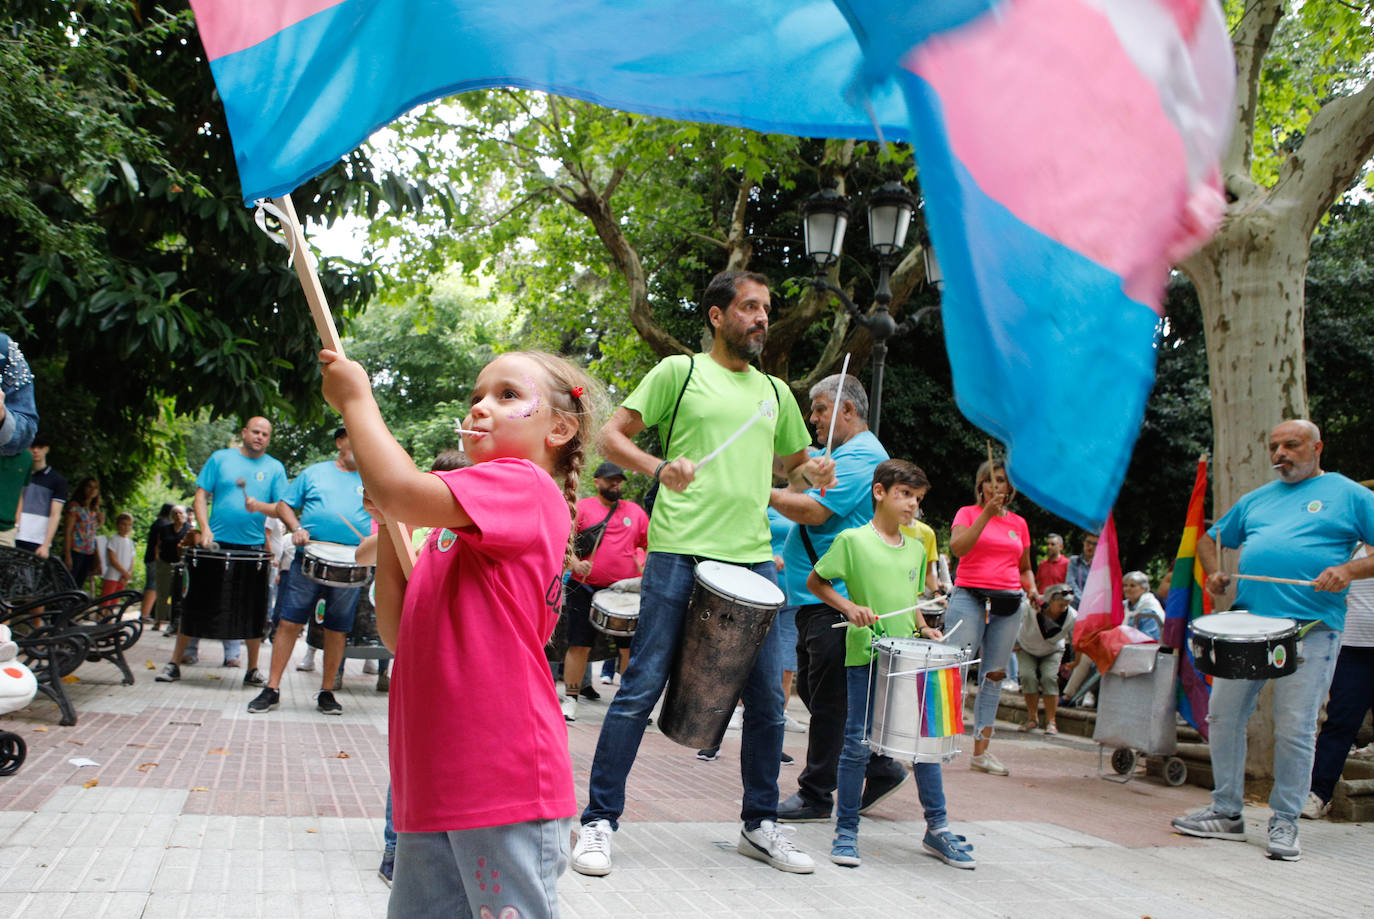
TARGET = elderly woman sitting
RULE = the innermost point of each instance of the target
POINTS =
(1143, 610)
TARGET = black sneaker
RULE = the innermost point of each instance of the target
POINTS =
(254, 677)
(710, 754)
(264, 701)
(878, 788)
(591, 695)
(388, 867)
(796, 810)
(787, 759)
(170, 674)
(327, 704)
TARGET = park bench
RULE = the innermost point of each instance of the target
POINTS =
(57, 627)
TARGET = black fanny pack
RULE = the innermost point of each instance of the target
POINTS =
(1000, 602)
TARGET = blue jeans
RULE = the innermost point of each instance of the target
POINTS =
(1297, 698)
(297, 596)
(389, 832)
(1352, 696)
(849, 777)
(988, 637)
(663, 598)
(464, 874)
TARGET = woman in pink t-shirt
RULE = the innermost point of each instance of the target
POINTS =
(993, 581)
(482, 781)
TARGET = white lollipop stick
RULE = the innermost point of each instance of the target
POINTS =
(835, 407)
(765, 410)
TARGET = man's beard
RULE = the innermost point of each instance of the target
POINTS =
(610, 494)
(1297, 472)
(744, 346)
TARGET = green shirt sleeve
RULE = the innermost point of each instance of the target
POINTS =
(790, 435)
(657, 393)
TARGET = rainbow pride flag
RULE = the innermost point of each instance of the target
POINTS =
(939, 699)
(1188, 600)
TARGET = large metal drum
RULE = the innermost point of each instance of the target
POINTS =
(1242, 646)
(727, 620)
(918, 700)
(226, 593)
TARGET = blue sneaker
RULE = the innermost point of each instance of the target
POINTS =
(388, 867)
(845, 851)
(949, 848)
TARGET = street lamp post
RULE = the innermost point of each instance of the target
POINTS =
(825, 217)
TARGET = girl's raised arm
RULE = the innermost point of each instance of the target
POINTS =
(401, 491)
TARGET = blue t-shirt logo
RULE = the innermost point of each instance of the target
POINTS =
(358, 490)
(259, 476)
(1314, 506)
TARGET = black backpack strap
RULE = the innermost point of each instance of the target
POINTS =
(691, 365)
(806, 543)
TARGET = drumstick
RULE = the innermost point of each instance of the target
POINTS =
(924, 604)
(765, 409)
(1268, 579)
(835, 410)
(349, 524)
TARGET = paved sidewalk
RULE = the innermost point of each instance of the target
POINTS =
(189, 815)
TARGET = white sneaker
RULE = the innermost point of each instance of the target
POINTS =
(1315, 808)
(1364, 752)
(369, 666)
(570, 708)
(592, 854)
(792, 724)
(989, 764)
(1010, 685)
(769, 844)
(606, 680)
(1089, 700)
(307, 664)
(736, 720)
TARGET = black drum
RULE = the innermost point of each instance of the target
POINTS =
(1242, 646)
(226, 593)
(363, 641)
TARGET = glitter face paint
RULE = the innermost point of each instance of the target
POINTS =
(530, 407)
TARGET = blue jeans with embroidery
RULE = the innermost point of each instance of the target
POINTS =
(664, 595)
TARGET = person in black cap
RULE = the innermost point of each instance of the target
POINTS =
(609, 531)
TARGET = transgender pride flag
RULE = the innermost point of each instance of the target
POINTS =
(1068, 151)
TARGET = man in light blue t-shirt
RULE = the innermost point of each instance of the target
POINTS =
(819, 517)
(1303, 527)
(330, 498)
(229, 478)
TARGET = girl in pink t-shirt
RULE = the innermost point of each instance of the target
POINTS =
(993, 581)
(481, 776)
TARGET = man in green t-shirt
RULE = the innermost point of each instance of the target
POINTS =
(715, 511)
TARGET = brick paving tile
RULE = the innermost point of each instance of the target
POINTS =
(199, 809)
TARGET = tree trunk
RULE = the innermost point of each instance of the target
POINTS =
(1249, 281)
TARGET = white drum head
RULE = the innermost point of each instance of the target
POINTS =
(1242, 625)
(739, 582)
(919, 649)
(616, 603)
(333, 552)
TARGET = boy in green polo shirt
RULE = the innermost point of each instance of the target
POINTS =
(884, 571)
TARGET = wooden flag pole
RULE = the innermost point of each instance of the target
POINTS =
(329, 337)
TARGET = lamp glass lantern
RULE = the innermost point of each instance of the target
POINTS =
(890, 207)
(825, 217)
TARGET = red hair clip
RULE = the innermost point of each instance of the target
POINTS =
(577, 392)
